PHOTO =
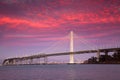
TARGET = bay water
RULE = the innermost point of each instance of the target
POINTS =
(61, 72)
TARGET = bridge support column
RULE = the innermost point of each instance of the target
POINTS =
(20, 61)
(106, 56)
(26, 61)
(71, 58)
(38, 60)
(11, 62)
(31, 61)
(71, 48)
(23, 61)
(14, 61)
(98, 55)
(106, 53)
(45, 60)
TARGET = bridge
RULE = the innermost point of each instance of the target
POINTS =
(29, 59)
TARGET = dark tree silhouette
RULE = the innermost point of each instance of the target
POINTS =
(115, 58)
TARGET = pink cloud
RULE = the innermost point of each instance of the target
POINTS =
(14, 22)
(87, 18)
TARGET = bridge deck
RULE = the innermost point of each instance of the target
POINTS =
(66, 53)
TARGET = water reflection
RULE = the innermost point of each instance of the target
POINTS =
(71, 73)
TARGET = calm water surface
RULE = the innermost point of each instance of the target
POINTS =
(60, 72)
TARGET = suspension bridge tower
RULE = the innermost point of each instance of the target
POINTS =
(71, 48)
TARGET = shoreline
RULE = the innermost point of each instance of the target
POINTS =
(62, 64)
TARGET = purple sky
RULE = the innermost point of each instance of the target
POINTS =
(32, 26)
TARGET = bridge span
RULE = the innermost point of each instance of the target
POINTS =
(29, 59)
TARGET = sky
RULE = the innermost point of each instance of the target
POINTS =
(31, 26)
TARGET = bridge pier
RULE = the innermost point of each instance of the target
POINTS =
(106, 56)
(14, 62)
(45, 60)
(10, 62)
(106, 53)
(98, 55)
(38, 60)
(26, 61)
(23, 61)
(20, 61)
(31, 61)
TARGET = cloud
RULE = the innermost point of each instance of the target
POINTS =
(14, 22)
(89, 18)
(25, 22)
(45, 14)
